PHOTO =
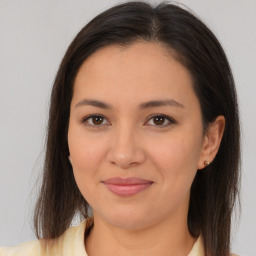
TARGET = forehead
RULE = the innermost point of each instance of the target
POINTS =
(139, 71)
(145, 55)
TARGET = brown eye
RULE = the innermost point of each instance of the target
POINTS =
(95, 120)
(160, 120)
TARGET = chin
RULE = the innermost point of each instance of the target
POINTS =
(128, 219)
(130, 223)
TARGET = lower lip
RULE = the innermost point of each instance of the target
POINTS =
(127, 189)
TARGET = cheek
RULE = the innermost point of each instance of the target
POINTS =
(176, 159)
(87, 154)
(86, 149)
(178, 150)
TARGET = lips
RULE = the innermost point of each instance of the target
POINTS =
(126, 186)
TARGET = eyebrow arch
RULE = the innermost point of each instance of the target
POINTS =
(145, 105)
(95, 103)
(159, 103)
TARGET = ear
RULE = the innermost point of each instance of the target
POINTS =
(69, 158)
(211, 141)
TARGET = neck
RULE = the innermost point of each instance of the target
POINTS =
(170, 237)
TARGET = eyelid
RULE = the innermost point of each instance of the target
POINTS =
(170, 119)
(86, 118)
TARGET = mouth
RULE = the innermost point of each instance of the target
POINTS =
(127, 186)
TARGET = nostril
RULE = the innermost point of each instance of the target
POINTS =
(125, 157)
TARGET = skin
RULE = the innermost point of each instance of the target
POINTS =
(129, 142)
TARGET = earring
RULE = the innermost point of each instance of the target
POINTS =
(206, 163)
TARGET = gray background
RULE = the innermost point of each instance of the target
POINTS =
(34, 35)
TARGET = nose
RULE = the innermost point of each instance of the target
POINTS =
(126, 150)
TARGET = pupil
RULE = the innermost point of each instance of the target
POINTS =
(159, 120)
(97, 120)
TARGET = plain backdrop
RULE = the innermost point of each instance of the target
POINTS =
(34, 35)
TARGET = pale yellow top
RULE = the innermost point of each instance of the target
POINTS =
(69, 244)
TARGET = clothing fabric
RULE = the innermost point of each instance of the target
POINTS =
(71, 243)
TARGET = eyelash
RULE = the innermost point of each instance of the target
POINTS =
(169, 119)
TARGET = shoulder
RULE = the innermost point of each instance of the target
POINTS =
(25, 249)
(198, 248)
(70, 242)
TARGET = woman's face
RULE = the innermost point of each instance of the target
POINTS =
(135, 135)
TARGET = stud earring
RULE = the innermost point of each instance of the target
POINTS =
(69, 159)
(206, 163)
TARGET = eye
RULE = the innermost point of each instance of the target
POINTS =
(160, 120)
(95, 120)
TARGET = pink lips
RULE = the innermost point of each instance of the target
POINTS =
(126, 186)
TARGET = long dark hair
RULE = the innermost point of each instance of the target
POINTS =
(214, 190)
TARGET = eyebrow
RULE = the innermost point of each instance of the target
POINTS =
(145, 105)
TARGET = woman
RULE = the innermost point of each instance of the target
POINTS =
(144, 128)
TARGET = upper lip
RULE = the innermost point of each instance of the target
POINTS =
(126, 181)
